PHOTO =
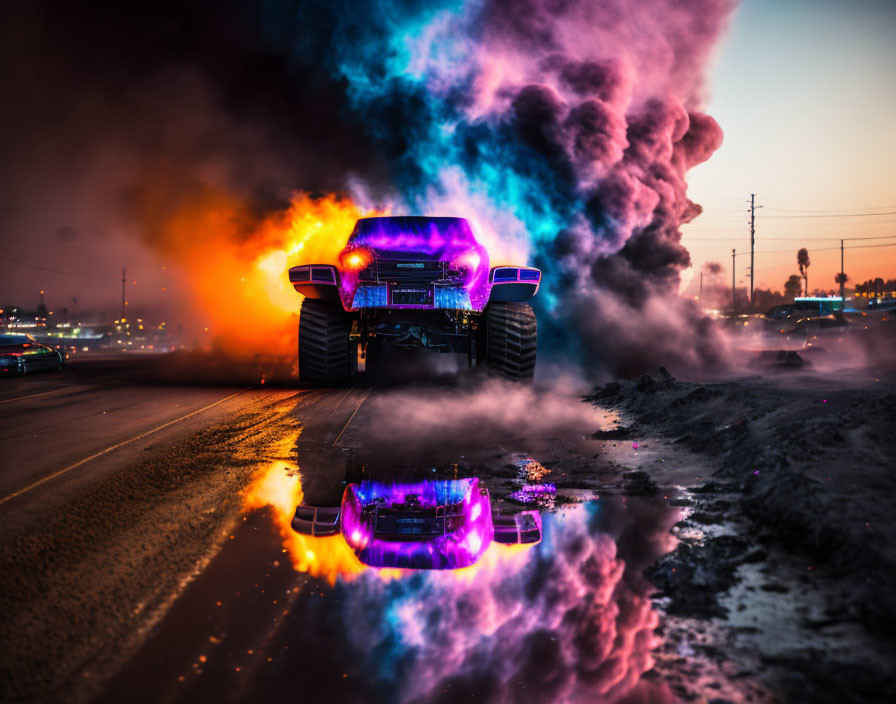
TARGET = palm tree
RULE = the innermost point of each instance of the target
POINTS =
(792, 286)
(841, 279)
(802, 258)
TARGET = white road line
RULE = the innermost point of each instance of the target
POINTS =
(115, 447)
(22, 398)
(360, 403)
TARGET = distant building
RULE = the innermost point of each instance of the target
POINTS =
(820, 305)
(876, 290)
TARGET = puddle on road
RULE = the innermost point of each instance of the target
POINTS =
(279, 613)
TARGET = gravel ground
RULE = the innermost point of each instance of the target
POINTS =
(787, 559)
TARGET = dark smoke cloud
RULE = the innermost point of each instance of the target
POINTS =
(564, 128)
(118, 117)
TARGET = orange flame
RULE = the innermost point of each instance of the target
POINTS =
(236, 263)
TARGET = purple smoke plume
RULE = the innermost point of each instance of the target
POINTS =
(564, 129)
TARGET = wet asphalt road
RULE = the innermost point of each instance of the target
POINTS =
(147, 553)
(59, 428)
(115, 487)
(125, 530)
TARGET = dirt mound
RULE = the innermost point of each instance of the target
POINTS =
(811, 461)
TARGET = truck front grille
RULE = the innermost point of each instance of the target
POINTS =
(411, 296)
(398, 272)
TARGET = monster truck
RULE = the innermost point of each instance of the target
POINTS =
(414, 281)
(431, 524)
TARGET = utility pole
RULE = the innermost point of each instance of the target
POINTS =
(842, 280)
(123, 302)
(752, 242)
(732, 281)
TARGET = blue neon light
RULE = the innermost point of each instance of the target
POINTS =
(371, 297)
(451, 298)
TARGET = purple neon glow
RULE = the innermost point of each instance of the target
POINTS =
(540, 488)
(424, 525)
(541, 495)
(421, 238)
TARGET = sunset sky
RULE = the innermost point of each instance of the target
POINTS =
(805, 92)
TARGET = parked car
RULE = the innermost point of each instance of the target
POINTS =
(820, 328)
(22, 354)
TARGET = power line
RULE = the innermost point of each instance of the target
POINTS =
(786, 239)
(59, 271)
(856, 246)
(832, 215)
(840, 211)
(796, 206)
(820, 249)
(820, 239)
(820, 226)
(824, 204)
(708, 219)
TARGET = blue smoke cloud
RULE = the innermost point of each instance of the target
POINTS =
(564, 126)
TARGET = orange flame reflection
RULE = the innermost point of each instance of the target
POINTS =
(279, 487)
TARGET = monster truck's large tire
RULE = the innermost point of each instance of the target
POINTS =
(511, 336)
(326, 352)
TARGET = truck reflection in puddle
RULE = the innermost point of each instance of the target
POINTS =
(458, 592)
(435, 524)
(561, 613)
(557, 619)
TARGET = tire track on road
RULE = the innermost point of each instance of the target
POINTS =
(112, 448)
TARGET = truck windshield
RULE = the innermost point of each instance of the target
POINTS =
(437, 232)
